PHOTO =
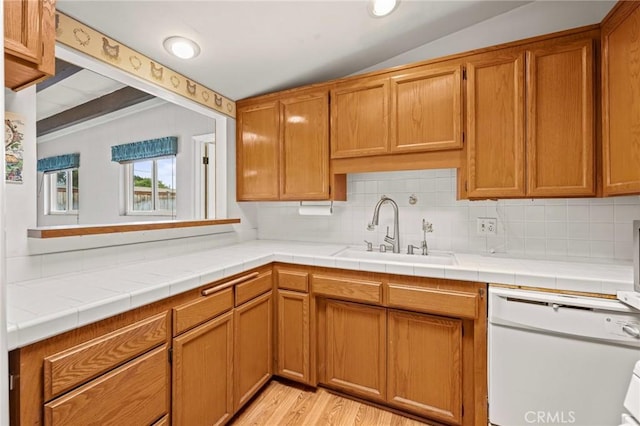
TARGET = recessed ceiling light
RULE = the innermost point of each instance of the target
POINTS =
(380, 8)
(181, 47)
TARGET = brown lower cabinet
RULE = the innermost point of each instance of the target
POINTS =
(293, 336)
(420, 347)
(424, 373)
(202, 373)
(353, 350)
(136, 393)
(414, 344)
(221, 363)
(253, 347)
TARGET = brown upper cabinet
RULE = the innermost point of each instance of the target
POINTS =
(426, 109)
(620, 94)
(283, 149)
(29, 42)
(258, 152)
(418, 109)
(495, 125)
(550, 87)
(360, 118)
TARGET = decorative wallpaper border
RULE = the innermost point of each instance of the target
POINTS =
(77, 35)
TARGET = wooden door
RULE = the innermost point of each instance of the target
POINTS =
(495, 125)
(253, 352)
(305, 147)
(425, 365)
(426, 109)
(202, 374)
(293, 336)
(620, 95)
(258, 152)
(560, 120)
(137, 393)
(354, 356)
(360, 118)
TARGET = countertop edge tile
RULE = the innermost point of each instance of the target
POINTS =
(96, 311)
(46, 326)
(497, 277)
(458, 272)
(429, 271)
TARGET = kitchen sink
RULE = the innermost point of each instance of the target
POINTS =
(434, 257)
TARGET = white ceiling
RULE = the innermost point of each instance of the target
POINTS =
(77, 89)
(254, 47)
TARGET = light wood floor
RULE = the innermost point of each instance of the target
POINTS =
(281, 404)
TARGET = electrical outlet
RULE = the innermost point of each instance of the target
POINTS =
(487, 226)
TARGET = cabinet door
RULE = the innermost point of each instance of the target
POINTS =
(293, 336)
(253, 353)
(305, 147)
(425, 365)
(29, 41)
(137, 393)
(258, 152)
(360, 119)
(560, 120)
(620, 94)
(354, 355)
(22, 29)
(202, 374)
(426, 109)
(495, 125)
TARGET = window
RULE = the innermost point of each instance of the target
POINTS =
(151, 186)
(62, 190)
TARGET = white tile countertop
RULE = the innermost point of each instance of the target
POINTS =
(42, 308)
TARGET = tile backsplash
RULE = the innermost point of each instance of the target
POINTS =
(596, 228)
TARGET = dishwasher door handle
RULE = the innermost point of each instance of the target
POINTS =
(631, 330)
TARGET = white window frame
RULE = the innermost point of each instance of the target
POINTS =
(51, 191)
(129, 188)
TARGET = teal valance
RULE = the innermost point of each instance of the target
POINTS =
(151, 148)
(59, 162)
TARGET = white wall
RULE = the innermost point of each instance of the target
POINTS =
(21, 198)
(99, 185)
(532, 19)
(596, 228)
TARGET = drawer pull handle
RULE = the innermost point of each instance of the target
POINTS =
(209, 291)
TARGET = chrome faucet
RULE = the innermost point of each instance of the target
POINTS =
(395, 240)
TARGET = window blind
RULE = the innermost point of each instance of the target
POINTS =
(151, 148)
(59, 162)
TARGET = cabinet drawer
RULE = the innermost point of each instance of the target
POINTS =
(293, 280)
(136, 393)
(250, 289)
(350, 289)
(68, 369)
(443, 302)
(203, 309)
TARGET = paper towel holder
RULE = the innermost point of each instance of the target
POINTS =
(315, 208)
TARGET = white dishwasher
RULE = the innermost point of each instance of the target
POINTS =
(558, 359)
